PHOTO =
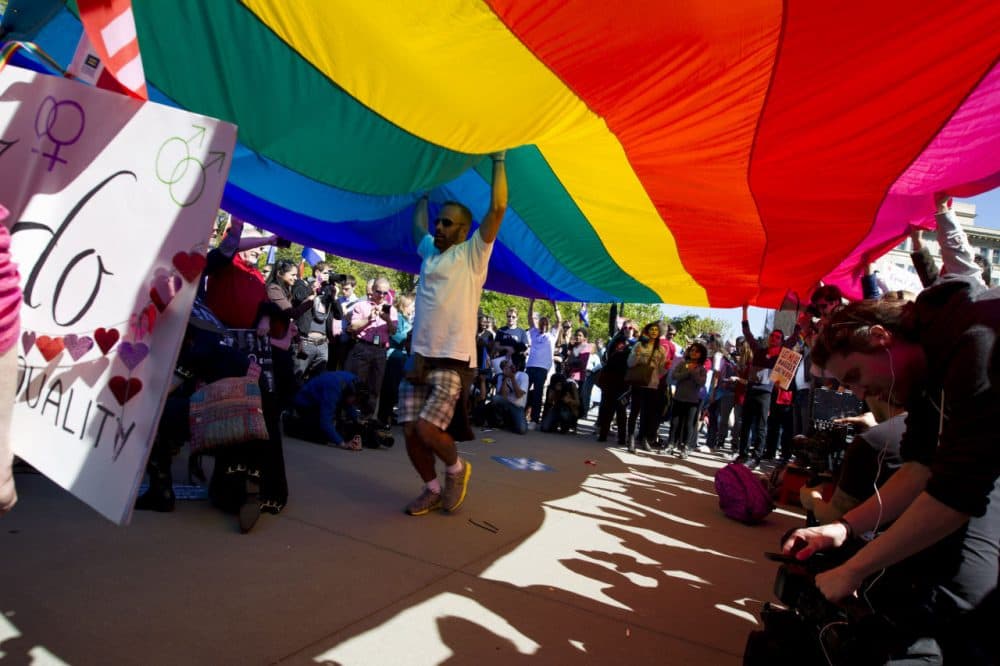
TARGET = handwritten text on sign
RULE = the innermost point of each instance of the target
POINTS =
(785, 367)
(112, 202)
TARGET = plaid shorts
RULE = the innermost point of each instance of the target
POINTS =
(434, 401)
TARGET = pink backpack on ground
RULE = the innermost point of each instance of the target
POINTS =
(742, 496)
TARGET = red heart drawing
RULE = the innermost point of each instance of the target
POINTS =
(27, 341)
(190, 264)
(150, 314)
(142, 322)
(124, 389)
(159, 302)
(50, 347)
(106, 339)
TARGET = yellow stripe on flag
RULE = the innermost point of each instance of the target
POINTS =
(451, 73)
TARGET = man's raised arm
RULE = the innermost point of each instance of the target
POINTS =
(490, 226)
(420, 221)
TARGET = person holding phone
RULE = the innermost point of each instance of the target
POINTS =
(373, 322)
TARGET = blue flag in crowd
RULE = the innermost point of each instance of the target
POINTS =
(270, 254)
(312, 256)
(583, 315)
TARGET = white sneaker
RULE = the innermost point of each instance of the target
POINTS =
(532, 425)
(704, 449)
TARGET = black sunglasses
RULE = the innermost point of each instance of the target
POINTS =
(444, 222)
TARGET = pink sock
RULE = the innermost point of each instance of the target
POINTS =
(434, 486)
(456, 468)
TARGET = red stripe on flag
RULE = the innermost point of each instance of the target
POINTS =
(123, 57)
(96, 15)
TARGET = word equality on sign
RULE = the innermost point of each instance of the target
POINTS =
(112, 202)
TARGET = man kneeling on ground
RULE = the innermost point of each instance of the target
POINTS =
(511, 399)
(324, 407)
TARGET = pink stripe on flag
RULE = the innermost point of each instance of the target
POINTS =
(963, 159)
(119, 33)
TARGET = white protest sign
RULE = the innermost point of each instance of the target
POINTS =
(112, 202)
(785, 367)
(894, 278)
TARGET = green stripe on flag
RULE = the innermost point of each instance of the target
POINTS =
(550, 212)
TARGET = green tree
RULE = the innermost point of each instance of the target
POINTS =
(400, 280)
(690, 326)
(492, 303)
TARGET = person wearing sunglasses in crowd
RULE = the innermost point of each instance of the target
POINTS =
(373, 322)
(512, 340)
(443, 346)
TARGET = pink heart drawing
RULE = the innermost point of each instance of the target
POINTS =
(141, 323)
(165, 287)
(28, 340)
(77, 345)
(132, 355)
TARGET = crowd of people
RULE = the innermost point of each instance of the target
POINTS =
(918, 493)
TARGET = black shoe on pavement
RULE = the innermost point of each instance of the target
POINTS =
(249, 514)
(753, 462)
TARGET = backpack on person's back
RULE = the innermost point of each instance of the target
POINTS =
(742, 495)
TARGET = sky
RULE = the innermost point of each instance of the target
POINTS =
(987, 209)
(732, 316)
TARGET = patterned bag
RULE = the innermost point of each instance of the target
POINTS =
(226, 412)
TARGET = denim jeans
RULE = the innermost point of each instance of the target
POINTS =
(510, 415)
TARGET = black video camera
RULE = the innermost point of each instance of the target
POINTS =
(337, 278)
(811, 630)
(821, 450)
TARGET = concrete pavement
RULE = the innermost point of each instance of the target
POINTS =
(628, 560)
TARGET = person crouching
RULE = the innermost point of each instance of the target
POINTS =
(325, 411)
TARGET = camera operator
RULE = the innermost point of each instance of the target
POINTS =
(312, 344)
(511, 398)
(562, 405)
(372, 323)
(869, 460)
(938, 357)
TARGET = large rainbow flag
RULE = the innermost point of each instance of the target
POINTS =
(680, 151)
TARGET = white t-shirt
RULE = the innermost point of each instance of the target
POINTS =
(542, 346)
(522, 381)
(447, 304)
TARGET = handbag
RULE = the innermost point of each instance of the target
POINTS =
(226, 412)
(640, 374)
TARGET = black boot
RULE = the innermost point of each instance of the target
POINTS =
(250, 510)
(160, 496)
